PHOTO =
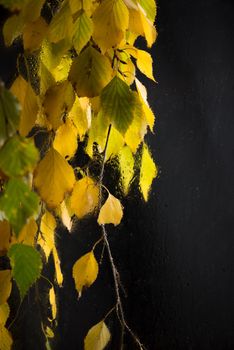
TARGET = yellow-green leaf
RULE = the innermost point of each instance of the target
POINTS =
(90, 73)
(126, 163)
(80, 114)
(111, 212)
(82, 31)
(65, 141)
(110, 21)
(5, 285)
(97, 337)
(148, 172)
(150, 8)
(85, 271)
(12, 29)
(84, 198)
(27, 234)
(34, 33)
(149, 115)
(53, 178)
(4, 314)
(61, 25)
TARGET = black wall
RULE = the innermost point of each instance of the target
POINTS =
(175, 253)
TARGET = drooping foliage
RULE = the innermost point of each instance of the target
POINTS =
(76, 85)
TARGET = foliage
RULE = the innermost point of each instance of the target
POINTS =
(77, 86)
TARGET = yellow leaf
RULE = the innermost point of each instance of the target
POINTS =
(82, 31)
(46, 236)
(52, 299)
(149, 115)
(85, 271)
(27, 234)
(58, 101)
(53, 178)
(29, 102)
(61, 25)
(111, 212)
(64, 213)
(115, 143)
(60, 72)
(148, 27)
(5, 338)
(58, 272)
(148, 172)
(5, 235)
(110, 20)
(126, 163)
(33, 34)
(97, 337)
(49, 334)
(4, 314)
(97, 133)
(32, 10)
(5, 285)
(87, 5)
(65, 141)
(80, 115)
(84, 198)
(145, 63)
(90, 72)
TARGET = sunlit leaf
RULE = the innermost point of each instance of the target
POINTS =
(90, 72)
(5, 235)
(118, 102)
(126, 163)
(145, 63)
(148, 172)
(64, 212)
(97, 337)
(84, 198)
(53, 178)
(97, 133)
(18, 203)
(150, 8)
(29, 102)
(9, 114)
(149, 115)
(46, 235)
(82, 31)
(65, 141)
(57, 265)
(110, 23)
(58, 102)
(80, 115)
(111, 212)
(5, 285)
(61, 24)
(34, 33)
(52, 299)
(18, 156)
(115, 143)
(85, 271)
(87, 5)
(26, 266)
(148, 27)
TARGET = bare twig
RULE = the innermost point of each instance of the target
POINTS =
(116, 276)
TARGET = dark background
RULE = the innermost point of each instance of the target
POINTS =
(175, 253)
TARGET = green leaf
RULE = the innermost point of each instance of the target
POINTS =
(83, 29)
(9, 114)
(18, 203)
(148, 172)
(118, 104)
(26, 266)
(18, 156)
(90, 73)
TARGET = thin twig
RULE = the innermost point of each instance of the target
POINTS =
(116, 276)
